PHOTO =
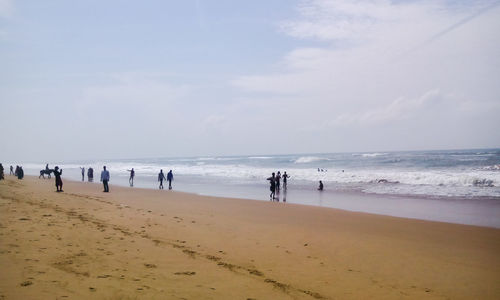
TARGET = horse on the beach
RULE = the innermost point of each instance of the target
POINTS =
(43, 172)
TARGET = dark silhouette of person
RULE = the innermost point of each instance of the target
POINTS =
(170, 177)
(161, 177)
(285, 177)
(320, 188)
(16, 171)
(1, 172)
(278, 178)
(11, 170)
(272, 186)
(131, 179)
(20, 173)
(59, 182)
(105, 179)
(90, 174)
(47, 167)
(83, 173)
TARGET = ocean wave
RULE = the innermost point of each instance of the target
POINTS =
(308, 159)
(373, 154)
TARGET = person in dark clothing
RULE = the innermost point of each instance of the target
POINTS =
(170, 177)
(11, 170)
(161, 177)
(285, 177)
(131, 179)
(90, 174)
(16, 171)
(1, 172)
(83, 173)
(272, 187)
(105, 179)
(20, 173)
(59, 182)
(278, 178)
(320, 188)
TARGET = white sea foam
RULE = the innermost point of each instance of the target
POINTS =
(308, 159)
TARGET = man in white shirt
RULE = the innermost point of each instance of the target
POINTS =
(105, 179)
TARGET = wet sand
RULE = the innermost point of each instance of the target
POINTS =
(150, 244)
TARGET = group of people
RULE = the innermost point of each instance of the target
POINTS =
(105, 177)
(90, 174)
(18, 172)
(275, 182)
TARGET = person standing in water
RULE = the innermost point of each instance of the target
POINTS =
(278, 178)
(170, 177)
(11, 170)
(272, 186)
(105, 179)
(90, 174)
(161, 177)
(285, 177)
(83, 173)
(131, 179)
(320, 188)
(59, 182)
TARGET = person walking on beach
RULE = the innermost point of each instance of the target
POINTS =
(131, 179)
(11, 170)
(320, 188)
(161, 177)
(272, 187)
(59, 182)
(285, 176)
(90, 174)
(1, 172)
(105, 179)
(83, 173)
(16, 171)
(20, 173)
(170, 177)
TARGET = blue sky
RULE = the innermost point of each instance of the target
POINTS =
(124, 79)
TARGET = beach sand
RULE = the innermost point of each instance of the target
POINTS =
(148, 244)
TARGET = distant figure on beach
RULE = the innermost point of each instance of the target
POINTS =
(11, 170)
(170, 177)
(278, 178)
(161, 177)
(131, 179)
(90, 174)
(320, 188)
(20, 173)
(16, 171)
(105, 179)
(83, 173)
(59, 182)
(1, 172)
(272, 186)
(47, 168)
(285, 177)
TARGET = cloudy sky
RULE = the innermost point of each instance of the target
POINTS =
(130, 79)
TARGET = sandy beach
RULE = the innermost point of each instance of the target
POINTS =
(149, 244)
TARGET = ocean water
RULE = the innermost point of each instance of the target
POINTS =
(460, 186)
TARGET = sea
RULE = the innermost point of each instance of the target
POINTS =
(457, 186)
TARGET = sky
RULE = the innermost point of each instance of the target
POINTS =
(135, 79)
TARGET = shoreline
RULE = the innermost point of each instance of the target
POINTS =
(152, 244)
(482, 212)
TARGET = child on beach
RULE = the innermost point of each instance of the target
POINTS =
(59, 182)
